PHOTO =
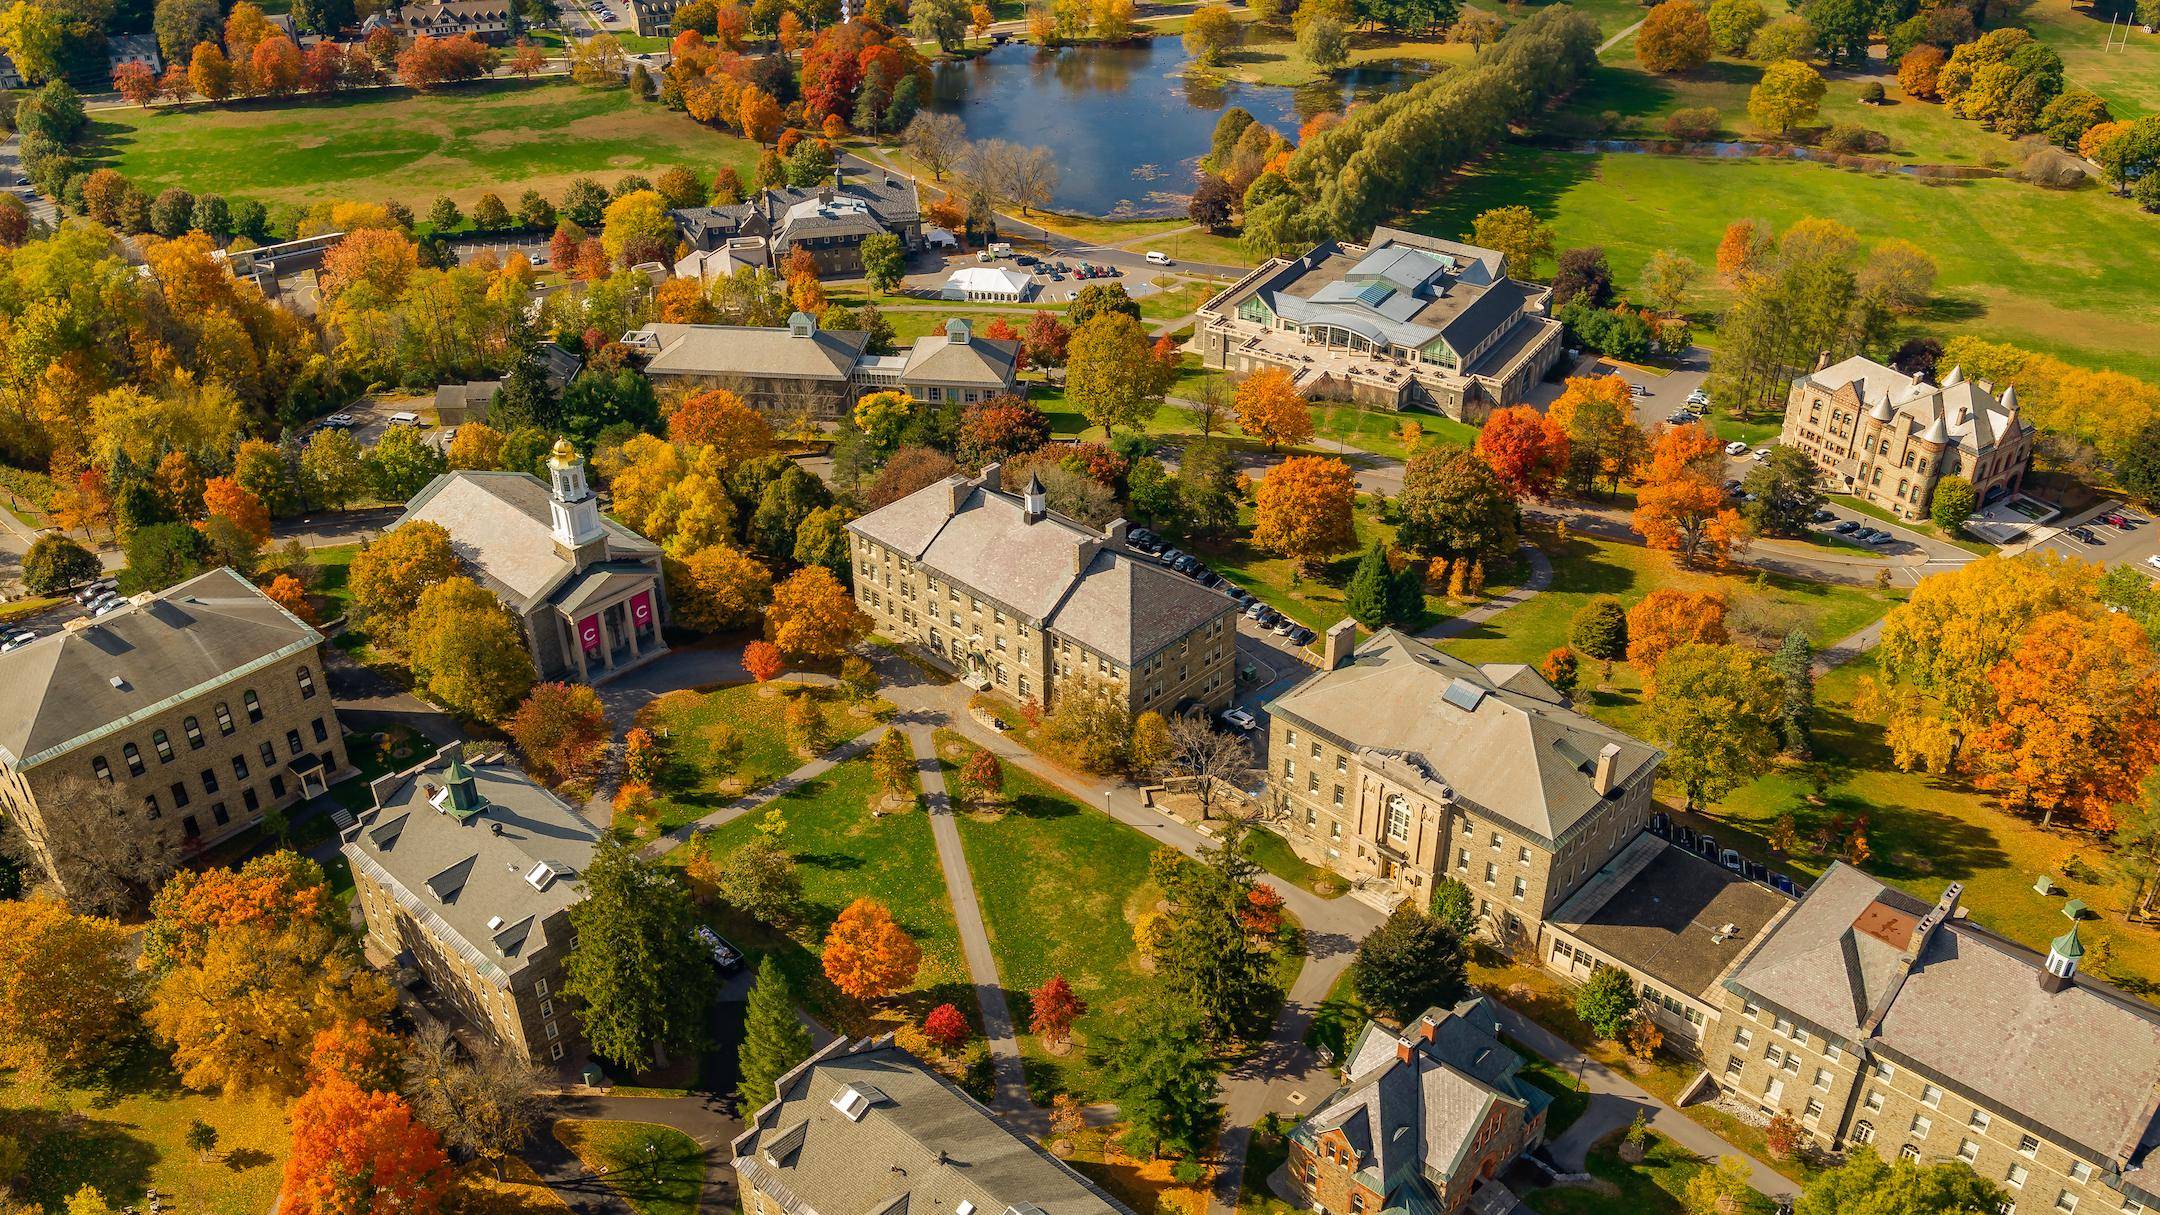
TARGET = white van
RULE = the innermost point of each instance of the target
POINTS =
(1001, 249)
(404, 419)
(1159, 259)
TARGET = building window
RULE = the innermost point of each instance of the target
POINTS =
(555, 1051)
(1522, 856)
(1743, 1038)
(269, 755)
(179, 793)
(163, 743)
(133, 755)
(1398, 815)
(2028, 1146)
(1813, 1111)
(2015, 1178)
(253, 705)
(1874, 1100)
(1491, 874)
(239, 767)
(1884, 1070)
(188, 827)
(150, 806)
(1521, 888)
(1931, 1096)
(292, 741)
(1968, 1151)
(1497, 841)
(1822, 1078)
(1979, 1120)
(322, 732)
(1908, 1152)
(277, 785)
(248, 799)
(194, 733)
(2080, 1172)
(2066, 1202)
(100, 769)
(1921, 1125)
(209, 780)
(224, 718)
(217, 811)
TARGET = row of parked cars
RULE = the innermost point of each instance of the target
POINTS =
(2115, 519)
(1853, 530)
(1145, 541)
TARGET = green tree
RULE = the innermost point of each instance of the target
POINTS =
(883, 262)
(1866, 1184)
(468, 652)
(1733, 23)
(1452, 505)
(1324, 42)
(1599, 631)
(1210, 31)
(161, 555)
(1794, 665)
(641, 980)
(1607, 1002)
(1517, 233)
(759, 878)
(1206, 954)
(1716, 711)
(1110, 372)
(1412, 962)
(1789, 95)
(1094, 300)
(402, 463)
(1788, 491)
(334, 469)
(55, 563)
(774, 1037)
(1954, 501)
(1368, 599)
(1454, 906)
(1164, 1076)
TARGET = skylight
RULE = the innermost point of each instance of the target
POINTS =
(1463, 695)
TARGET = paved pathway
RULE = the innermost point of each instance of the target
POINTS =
(1541, 576)
(997, 1019)
(848, 750)
(587, 1193)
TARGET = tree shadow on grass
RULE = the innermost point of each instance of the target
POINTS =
(66, 1152)
(1039, 806)
(1514, 174)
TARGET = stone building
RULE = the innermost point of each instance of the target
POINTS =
(1403, 321)
(1888, 438)
(201, 706)
(808, 373)
(587, 590)
(1397, 765)
(862, 1128)
(484, 20)
(1425, 1120)
(1028, 602)
(1877, 1019)
(830, 221)
(468, 872)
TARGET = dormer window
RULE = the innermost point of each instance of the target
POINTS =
(855, 1100)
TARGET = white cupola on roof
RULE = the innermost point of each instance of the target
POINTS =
(574, 511)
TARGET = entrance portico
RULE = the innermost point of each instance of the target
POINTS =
(609, 619)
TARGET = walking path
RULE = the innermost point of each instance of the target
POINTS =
(997, 1020)
(848, 750)
(1541, 575)
(1618, 38)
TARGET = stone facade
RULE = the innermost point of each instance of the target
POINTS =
(1889, 439)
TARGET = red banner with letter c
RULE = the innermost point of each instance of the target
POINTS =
(641, 609)
(588, 631)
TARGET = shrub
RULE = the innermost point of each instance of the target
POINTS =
(1692, 122)
(1872, 92)
(1849, 139)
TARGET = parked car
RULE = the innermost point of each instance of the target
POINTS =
(1733, 486)
(1239, 719)
(2153, 561)
(1879, 538)
(1736, 448)
(1302, 635)
(96, 590)
(723, 954)
(1638, 390)
(1283, 627)
(2085, 534)
(1698, 397)
(1255, 609)
(1846, 528)
(1762, 453)
(1821, 516)
(17, 640)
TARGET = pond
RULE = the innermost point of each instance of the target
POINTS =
(1127, 123)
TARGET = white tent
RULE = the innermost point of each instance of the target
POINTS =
(988, 283)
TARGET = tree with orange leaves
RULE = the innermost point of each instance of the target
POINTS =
(1666, 619)
(759, 115)
(527, 60)
(764, 661)
(1053, 1007)
(225, 498)
(813, 616)
(1742, 249)
(1681, 507)
(286, 592)
(361, 1153)
(682, 301)
(381, 260)
(1302, 509)
(1526, 449)
(276, 890)
(1272, 410)
(2077, 719)
(867, 955)
(361, 1053)
(719, 419)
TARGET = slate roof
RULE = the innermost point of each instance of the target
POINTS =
(957, 356)
(1663, 912)
(67, 689)
(466, 880)
(1966, 1008)
(1960, 411)
(1417, 1118)
(1051, 570)
(818, 354)
(501, 529)
(920, 1145)
(1519, 752)
(889, 198)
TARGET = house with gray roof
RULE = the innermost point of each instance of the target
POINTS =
(587, 590)
(1027, 602)
(1400, 765)
(810, 373)
(1425, 1120)
(830, 221)
(193, 710)
(1873, 1017)
(863, 1128)
(1889, 438)
(1404, 321)
(467, 870)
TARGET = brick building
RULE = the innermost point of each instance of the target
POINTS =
(1399, 765)
(1028, 602)
(1888, 438)
(200, 707)
(469, 871)
(1875, 1018)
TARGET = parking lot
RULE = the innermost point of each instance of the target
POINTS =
(1056, 278)
(2135, 543)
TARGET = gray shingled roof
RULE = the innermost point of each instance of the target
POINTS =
(500, 527)
(467, 880)
(978, 360)
(69, 688)
(2082, 1063)
(1126, 608)
(822, 354)
(1392, 699)
(920, 1145)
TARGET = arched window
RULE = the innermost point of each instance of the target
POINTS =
(224, 719)
(194, 733)
(163, 743)
(133, 755)
(1863, 1132)
(1398, 817)
(253, 706)
(101, 769)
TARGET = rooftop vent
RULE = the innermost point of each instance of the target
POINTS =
(494, 922)
(119, 684)
(540, 876)
(1463, 695)
(855, 1100)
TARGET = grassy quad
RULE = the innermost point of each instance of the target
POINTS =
(133, 1138)
(1654, 1187)
(2127, 77)
(728, 741)
(657, 1170)
(501, 136)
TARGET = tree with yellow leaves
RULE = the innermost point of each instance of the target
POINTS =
(477, 446)
(68, 993)
(468, 652)
(388, 576)
(1667, 619)
(1272, 410)
(1302, 509)
(717, 587)
(867, 955)
(718, 419)
(813, 616)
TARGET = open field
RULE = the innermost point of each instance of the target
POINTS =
(727, 741)
(1269, 55)
(503, 136)
(134, 1139)
(2127, 78)
(2078, 281)
(657, 1170)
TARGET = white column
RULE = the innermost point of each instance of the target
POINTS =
(577, 647)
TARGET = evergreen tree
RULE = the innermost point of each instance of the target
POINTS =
(1795, 664)
(527, 397)
(774, 1038)
(1411, 963)
(1371, 589)
(1207, 955)
(1406, 595)
(1600, 631)
(1164, 1077)
(641, 980)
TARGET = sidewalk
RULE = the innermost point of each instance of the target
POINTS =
(858, 745)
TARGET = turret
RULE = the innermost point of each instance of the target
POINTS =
(2062, 961)
(1034, 500)
(1955, 378)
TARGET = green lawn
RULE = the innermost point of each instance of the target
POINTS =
(1181, 297)
(1061, 885)
(728, 741)
(503, 136)
(333, 564)
(2127, 77)
(1269, 55)
(657, 1169)
(1569, 1099)
(2079, 282)
(1215, 248)
(1274, 854)
(1653, 1187)
(843, 852)
(131, 1140)
(1340, 1018)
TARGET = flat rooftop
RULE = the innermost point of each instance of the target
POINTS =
(1668, 914)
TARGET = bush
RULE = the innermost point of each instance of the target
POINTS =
(1692, 122)
(1851, 139)
(1872, 92)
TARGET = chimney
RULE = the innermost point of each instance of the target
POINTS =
(1117, 531)
(1427, 1027)
(1083, 553)
(960, 487)
(1405, 1051)
(1340, 644)
(1607, 777)
(839, 172)
(992, 476)
(1922, 932)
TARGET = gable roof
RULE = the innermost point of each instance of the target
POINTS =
(1485, 735)
(989, 362)
(819, 354)
(501, 528)
(70, 688)
(1957, 411)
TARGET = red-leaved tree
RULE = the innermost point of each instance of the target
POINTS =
(1052, 1009)
(946, 1028)
(764, 661)
(361, 1153)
